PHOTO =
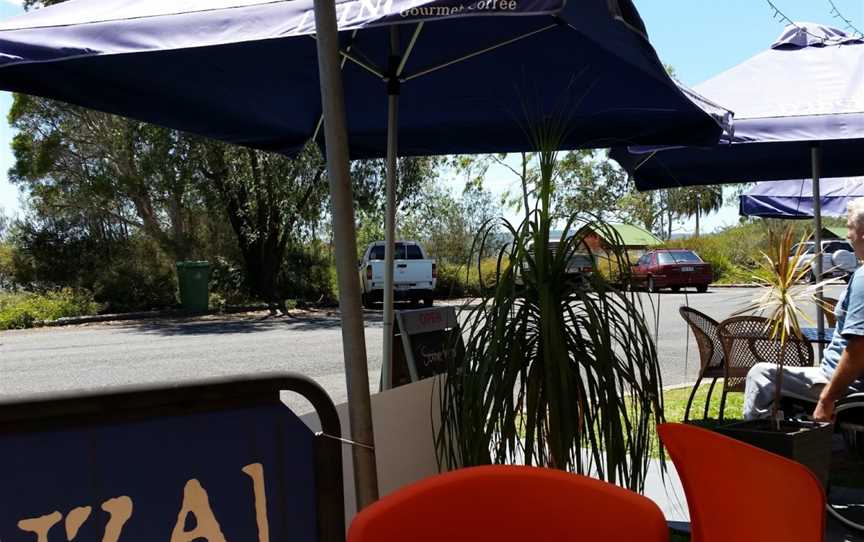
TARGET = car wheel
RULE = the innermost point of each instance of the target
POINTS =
(367, 302)
(652, 287)
(812, 277)
(702, 288)
(676, 289)
(428, 301)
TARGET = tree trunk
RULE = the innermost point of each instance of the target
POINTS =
(697, 223)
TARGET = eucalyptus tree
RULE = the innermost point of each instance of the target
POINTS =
(109, 174)
(270, 201)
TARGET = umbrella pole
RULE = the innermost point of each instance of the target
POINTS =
(390, 220)
(342, 209)
(816, 163)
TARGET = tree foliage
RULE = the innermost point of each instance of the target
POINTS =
(102, 189)
(105, 174)
(270, 201)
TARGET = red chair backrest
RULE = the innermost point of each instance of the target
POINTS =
(738, 492)
(503, 503)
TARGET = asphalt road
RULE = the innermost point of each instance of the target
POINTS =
(61, 359)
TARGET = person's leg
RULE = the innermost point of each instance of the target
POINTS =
(802, 382)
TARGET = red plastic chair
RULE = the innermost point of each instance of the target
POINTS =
(739, 492)
(503, 503)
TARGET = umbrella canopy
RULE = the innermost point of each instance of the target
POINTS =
(245, 71)
(806, 88)
(794, 199)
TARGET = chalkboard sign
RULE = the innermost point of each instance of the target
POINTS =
(431, 342)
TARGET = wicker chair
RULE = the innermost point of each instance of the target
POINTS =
(746, 342)
(704, 328)
(830, 303)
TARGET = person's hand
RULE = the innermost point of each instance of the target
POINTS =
(824, 411)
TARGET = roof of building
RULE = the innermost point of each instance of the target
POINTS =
(839, 231)
(631, 235)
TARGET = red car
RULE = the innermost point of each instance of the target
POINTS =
(671, 268)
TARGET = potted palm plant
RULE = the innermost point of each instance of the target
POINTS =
(557, 372)
(783, 297)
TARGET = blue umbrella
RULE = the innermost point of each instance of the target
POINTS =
(457, 73)
(794, 199)
(799, 111)
(245, 71)
(805, 90)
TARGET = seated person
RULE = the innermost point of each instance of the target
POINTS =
(842, 369)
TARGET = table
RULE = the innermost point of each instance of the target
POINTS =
(812, 334)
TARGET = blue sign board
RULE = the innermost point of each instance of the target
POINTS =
(236, 474)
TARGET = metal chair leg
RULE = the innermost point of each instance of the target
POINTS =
(690, 400)
(708, 398)
(722, 403)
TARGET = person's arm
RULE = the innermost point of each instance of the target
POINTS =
(849, 368)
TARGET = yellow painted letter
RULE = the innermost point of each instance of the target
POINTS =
(75, 519)
(256, 472)
(40, 525)
(196, 501)
(120, 509)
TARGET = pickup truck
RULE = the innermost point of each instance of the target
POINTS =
(414, 275)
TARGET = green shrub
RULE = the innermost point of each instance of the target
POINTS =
(741, 275)
(216, 302)
(227, 284)
(139, 283)
(456, 281)
(19, 311)
(306, 274)
(710, 248)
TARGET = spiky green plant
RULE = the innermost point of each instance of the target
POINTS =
(558, 372)
(783, 296)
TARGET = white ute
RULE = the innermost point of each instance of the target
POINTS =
(414, 275)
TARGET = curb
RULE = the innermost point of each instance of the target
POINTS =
(748, 285)
(144, 315)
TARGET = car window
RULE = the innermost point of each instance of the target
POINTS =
(412, 252)
(401, 252)
(678, 256)
(834, 246)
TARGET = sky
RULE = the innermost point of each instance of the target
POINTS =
(8, 193)
(698, 38)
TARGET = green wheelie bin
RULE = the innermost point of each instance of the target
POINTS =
(193, 278)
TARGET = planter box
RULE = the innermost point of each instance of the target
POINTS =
(808, 443)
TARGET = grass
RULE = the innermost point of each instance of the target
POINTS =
(675, 403)
(24, 310)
